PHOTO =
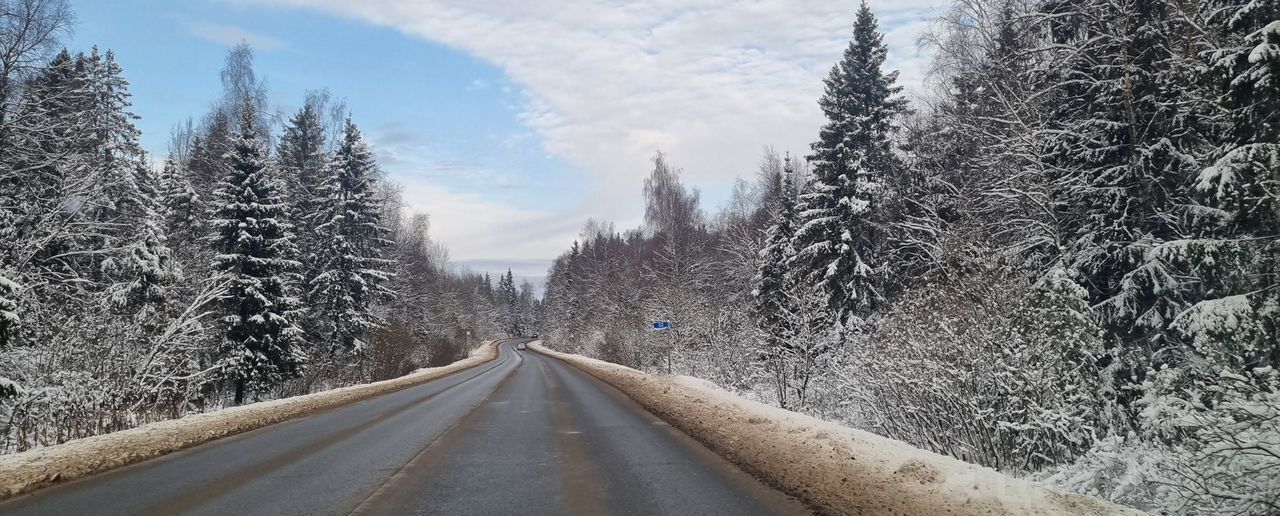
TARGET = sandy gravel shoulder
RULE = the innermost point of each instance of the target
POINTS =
(837, 469)
(27, 471)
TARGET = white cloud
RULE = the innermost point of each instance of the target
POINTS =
(476, 226)
(232, 35)
(709, 82)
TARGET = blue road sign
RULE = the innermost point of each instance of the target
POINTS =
(662, 325)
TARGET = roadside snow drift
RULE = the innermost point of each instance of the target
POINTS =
(837, 469)
(27, 471)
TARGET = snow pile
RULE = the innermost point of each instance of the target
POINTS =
(24, 472)
(838, 469)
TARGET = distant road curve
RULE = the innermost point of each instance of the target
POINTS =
(523, 434)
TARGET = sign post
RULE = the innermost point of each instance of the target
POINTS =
(665, 326)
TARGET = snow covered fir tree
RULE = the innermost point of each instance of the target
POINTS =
(840, 237)
(1061, 260)
(350, 263)
(254, 247)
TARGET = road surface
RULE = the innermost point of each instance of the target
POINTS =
(522, 434)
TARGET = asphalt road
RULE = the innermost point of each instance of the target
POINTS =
(523, 434)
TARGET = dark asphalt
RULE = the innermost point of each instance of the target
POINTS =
(523, 434)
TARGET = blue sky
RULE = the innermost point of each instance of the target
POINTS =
(511, 122)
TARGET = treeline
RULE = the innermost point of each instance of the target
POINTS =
(262, 259)
(1062, 262)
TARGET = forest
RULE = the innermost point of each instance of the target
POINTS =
(1061, 262)
(266, 255)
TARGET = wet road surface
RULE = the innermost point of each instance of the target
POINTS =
(522, 434)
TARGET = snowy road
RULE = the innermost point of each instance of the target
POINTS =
(523, 434)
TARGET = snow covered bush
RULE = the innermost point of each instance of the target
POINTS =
(989, 369)
(1206, 444)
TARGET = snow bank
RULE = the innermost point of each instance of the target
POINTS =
(838, 469)
(27, 471)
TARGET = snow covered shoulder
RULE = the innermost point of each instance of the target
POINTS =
(838, 469)
(27, 471)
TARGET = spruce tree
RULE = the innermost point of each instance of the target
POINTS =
(774, 303)
(48, 138)
(773, 299)
(9, 322)
(116, 151)
(303, 161)
(1121, 147)
(351, 269)
(9, 318)
(261, 344)
(508, 300)
(142, 271)
(1238, 262)
(182, 210)
(839, 238)
(205, 165)
(139, 268)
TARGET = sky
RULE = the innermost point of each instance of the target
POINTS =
(512, 122)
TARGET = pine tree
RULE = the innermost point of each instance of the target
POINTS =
(261, 343)
(351, 268)
(839, 239)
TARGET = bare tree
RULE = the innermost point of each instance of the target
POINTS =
(30, 30)
(239, 82)
(669, 205)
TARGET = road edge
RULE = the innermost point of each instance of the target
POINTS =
(837, 469)
(22, 473)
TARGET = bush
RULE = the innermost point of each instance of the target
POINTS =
(990, 369)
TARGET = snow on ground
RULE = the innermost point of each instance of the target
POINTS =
(838, 469)
(31, 470)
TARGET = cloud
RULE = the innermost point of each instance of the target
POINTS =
(232, 35)
(606, 83)
(476, 226)
(406, 153)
